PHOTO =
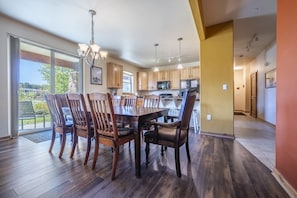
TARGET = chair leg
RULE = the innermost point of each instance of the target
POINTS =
(43, 121)
(188, 151)
(95, 152)
(53, 141)
(88, 151)
(75, 139)
(115, 161)
(162, 150)
(147, 152)
(62, 145)
(177, 162)
(22, 123)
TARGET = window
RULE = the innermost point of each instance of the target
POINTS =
(127, 82)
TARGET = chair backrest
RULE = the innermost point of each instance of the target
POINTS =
(118, 100)
(79, 111)
(26, 109)
(103, 114)
(130, 101)
(151, 101)
(63, 99)
(55, 109)
(188, 101)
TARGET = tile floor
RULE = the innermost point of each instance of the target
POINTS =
(256, 136)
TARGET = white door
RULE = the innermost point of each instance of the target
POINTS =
(239, 90)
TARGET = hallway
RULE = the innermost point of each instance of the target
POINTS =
(258, 137)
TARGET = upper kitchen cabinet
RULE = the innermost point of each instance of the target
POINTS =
(152, 80)
(142, 79)
(115, 76)
(163, 75)
(174, 78)
(189, 73)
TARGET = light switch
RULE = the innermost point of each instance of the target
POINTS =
(208, 117)
(225, 86)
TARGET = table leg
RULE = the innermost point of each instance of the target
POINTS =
(137, 143)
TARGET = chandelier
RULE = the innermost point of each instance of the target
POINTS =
(179, 66)
(156, 69)
(91, 52)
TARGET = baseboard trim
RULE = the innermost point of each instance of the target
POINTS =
(5, 138)
(217, 135)
(284, 183)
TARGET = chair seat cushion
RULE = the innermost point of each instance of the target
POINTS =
(123, 131)
(166, 134)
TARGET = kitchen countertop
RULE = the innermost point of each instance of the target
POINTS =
(175, 98)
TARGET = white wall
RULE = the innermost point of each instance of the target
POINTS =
(266, 106)
(12, 27)
(9, 26)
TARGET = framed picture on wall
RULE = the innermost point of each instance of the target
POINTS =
(96, 75)
(270, 79)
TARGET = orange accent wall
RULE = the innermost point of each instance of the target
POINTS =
(286, 122)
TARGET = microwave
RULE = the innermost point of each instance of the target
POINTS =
(163, 85)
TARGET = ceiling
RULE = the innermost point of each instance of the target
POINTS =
(129, 29)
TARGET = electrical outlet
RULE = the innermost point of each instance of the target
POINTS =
(225, 87)
(208, 117)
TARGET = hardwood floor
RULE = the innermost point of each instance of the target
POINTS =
(219, 168)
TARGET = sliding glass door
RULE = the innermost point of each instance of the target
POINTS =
(43, 71)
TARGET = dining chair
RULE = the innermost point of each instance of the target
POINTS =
(59, 124)
(118, 100)
(130, 101)
(151, 101)
(173, 134)
(82, 122)
(103, 116)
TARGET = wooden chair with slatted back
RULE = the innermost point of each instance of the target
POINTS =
(130, 101)
(59, 124)
(82, 122)
(118, 100)
(152, 101)
(173, 134)
(103, 116)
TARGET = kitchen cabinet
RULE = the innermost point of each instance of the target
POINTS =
(152, 80)
(163, 75)
(174, 77)
(114, 76)
(189, 73)
(142, 79)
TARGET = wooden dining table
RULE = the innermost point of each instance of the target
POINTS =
(138, 117)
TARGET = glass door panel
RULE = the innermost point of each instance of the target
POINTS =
(43, 71)
(66, 74)
(33, 112)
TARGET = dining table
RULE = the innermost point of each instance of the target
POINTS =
(138, 117)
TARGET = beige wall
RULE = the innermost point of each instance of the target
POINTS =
(216, 70)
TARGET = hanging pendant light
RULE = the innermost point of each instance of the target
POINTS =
(179, 66)
(92, 51)
(156, 69)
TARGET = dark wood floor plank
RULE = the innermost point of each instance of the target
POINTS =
(218, 168)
